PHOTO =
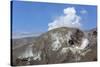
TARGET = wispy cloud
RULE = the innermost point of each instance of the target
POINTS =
(17, 35)
(69, 19)
(83, 11)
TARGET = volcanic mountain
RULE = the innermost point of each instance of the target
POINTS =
(60, 45)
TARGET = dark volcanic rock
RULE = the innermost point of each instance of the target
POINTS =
(59, 45)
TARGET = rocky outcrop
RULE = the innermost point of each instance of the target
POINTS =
(60, 45)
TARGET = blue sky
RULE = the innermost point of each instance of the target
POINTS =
(34, 17)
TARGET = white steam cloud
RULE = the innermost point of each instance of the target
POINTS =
(69, 19)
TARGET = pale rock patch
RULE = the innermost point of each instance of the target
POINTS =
(85, 43)
(64, 50)
(29, 53)
(56, 44)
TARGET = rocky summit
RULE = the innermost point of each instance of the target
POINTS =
(60, 45)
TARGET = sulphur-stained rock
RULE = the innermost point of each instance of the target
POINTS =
(60, 45)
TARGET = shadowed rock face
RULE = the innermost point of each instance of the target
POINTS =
(60, 45)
